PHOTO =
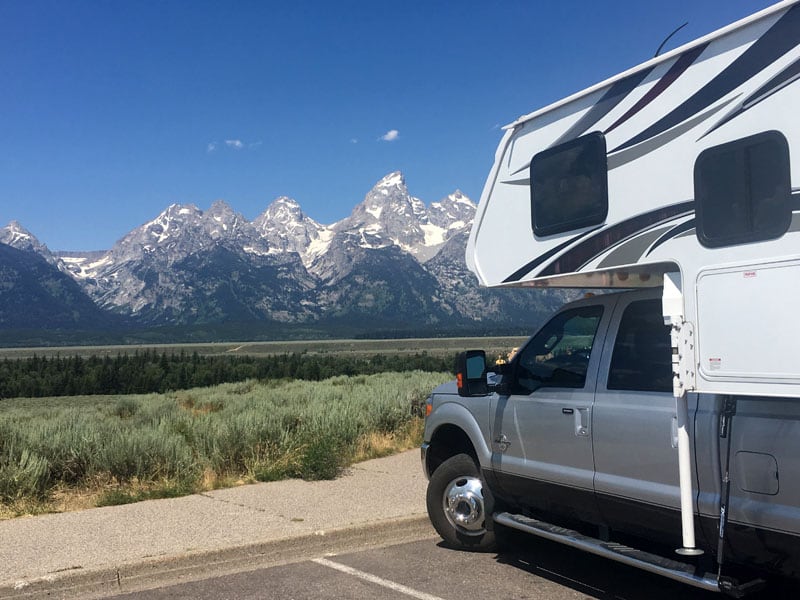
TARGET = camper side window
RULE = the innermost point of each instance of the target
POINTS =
(642, 357)
(569, 186)
(743, 191)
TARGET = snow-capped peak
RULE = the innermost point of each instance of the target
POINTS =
(456, 211)
(14, 234)
(283, 210)
(286, 228)
(389, 215)
(459, 198)
(221, 210)
(394, 179)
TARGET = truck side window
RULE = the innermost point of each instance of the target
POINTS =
(642, 351)
(569, 185)
(743, 191)
(558, 356)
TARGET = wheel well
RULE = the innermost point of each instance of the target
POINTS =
(447, 441)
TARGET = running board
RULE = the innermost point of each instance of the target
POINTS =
(659, 565)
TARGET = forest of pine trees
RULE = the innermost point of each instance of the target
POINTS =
(151, 372)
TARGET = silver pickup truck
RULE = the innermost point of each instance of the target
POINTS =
(575, 440)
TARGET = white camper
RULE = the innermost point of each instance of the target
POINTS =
(683, 175)
(688, 164)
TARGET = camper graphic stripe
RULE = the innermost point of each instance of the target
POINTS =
(774, 85)
(684, 61)
(592, 247)
(777, 41)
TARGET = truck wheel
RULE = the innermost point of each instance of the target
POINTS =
(456, 505)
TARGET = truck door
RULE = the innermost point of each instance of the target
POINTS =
(634, 423)
(542, 446)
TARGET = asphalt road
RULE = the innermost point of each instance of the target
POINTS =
(427, 570)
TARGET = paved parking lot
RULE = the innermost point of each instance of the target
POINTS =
(426, 570)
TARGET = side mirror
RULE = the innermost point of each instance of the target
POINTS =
(471, 373)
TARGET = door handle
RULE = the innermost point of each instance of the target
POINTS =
(582, 422)
(567, 411)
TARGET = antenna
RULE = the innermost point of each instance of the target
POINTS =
(669, 36)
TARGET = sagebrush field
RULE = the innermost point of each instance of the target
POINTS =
(122, 448)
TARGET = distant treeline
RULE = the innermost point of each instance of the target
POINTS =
(151, 372)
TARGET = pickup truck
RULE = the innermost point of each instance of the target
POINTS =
(575, 440)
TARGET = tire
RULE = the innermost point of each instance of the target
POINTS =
(457, 502)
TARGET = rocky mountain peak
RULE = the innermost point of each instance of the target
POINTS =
(172, 222)
(282, 211)
(456, 211)
(16, 236)
(221, 222)
(221, 211)
(394, 179)
(286, 228)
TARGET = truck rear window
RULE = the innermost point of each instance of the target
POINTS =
(642, 357)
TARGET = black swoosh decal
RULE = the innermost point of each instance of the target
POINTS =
(631, 250)
(691, 223)
(524, 270)
(615, 94)
(672, 233)
(777, 41)
(684, 61)
(662, 139)
(592, 247)
(774, 85)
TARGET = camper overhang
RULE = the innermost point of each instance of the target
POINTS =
(632, 276)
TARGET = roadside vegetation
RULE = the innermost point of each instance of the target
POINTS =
(60, 453)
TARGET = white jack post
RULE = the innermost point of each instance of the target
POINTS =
(682, 341)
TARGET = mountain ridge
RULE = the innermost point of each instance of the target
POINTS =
(394, 263)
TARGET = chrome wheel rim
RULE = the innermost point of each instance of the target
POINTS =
(463, 505)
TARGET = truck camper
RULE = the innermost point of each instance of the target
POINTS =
(669, 412)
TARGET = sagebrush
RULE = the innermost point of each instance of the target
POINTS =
(248, 430)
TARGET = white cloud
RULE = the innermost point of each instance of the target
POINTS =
(353, 140)
(390, 135)
(233, 144)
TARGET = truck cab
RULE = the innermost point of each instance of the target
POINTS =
(578, 433)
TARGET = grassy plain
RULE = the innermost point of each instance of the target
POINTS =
(74, 452)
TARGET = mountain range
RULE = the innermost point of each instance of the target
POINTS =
(394, 267)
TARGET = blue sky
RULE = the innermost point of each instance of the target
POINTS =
(112, 110)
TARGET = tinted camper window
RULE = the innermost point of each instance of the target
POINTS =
(569, 186)
(743, 191)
